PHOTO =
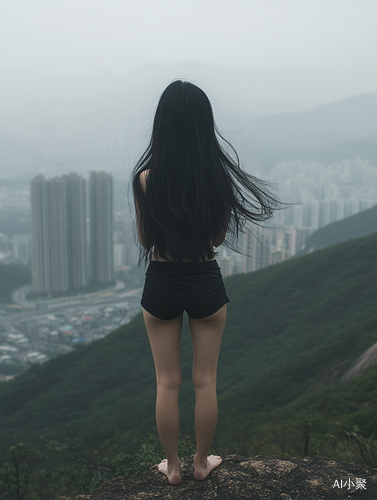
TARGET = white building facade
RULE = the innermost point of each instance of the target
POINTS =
(101, 227)
(58, 243)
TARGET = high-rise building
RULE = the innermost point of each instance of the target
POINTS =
(119, 255)
(101, 227)
(21, 248)
(58, 234)
(77, 247)
(257, 248)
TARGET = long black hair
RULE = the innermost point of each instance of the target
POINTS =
(195, 191)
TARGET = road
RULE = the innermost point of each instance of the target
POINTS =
(106, 297)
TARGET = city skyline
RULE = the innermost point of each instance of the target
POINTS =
(60, 259)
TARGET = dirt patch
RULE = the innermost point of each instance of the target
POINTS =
(272, 478)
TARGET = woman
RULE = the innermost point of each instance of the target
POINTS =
(189, 193)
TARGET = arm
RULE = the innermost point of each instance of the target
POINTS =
(142, 178)
(217, 241)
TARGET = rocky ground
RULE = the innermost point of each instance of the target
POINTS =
(272, 478)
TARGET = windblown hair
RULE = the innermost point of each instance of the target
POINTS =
(196, 193)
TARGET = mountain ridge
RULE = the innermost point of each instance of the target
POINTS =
(355, 226)
(287, 326)
(105, 118)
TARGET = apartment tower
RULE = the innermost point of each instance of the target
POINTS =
(78, 270)
(256, 244)
(58, 234)
(101, 227)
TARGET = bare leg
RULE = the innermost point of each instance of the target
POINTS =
(206, 337)
(205, 424)
(164, 338)
(167, 418)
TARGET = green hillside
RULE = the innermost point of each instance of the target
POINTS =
(12, 276)
(292, 330)
(356, 226)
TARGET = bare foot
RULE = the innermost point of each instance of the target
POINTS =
(173, 473)
(201, 472)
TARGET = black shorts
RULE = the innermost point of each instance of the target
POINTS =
(173, 287)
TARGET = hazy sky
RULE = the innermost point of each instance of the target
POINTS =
(80, 37)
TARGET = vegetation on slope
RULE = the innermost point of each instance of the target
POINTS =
(288, 326)
(356, 226)
(292, 331)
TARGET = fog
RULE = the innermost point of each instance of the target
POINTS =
(293, 85)
(79, 81)
(90, 36)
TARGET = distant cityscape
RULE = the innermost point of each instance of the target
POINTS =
(327, 193)
(319, 195)
(78, 241)
(54, 330)
(59, 257)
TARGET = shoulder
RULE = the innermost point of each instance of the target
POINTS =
(143, 179)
